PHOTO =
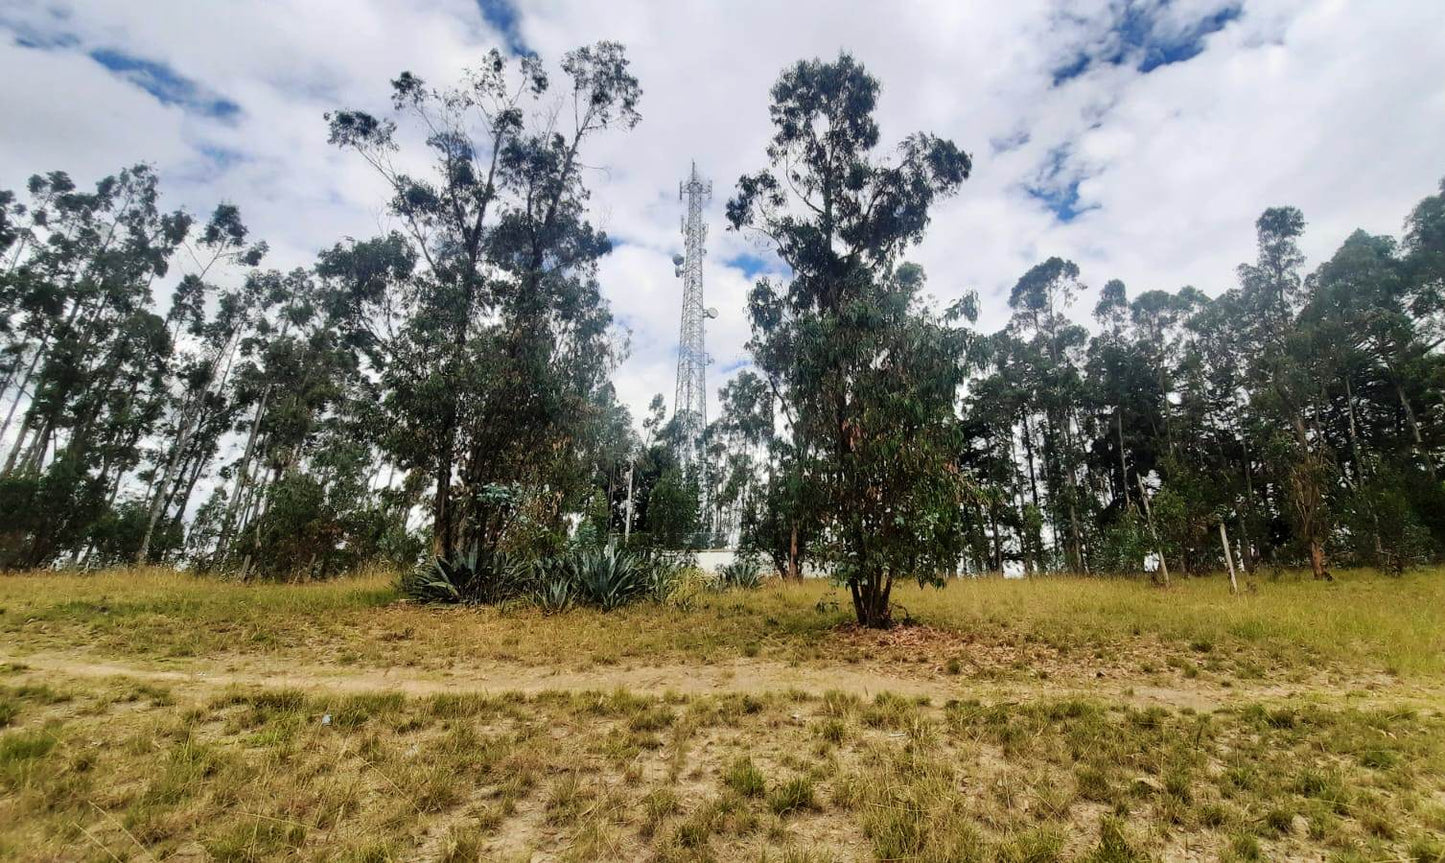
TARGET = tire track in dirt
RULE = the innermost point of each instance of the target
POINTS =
(737, 677)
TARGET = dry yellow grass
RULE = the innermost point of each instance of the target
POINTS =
(117, 770)
(1364, 621)
(1045, 720)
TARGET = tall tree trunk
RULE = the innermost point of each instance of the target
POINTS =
(1354, 434)
(1149, 517)
(1317, 561)
(34, 459)
(20, 392)
(1249, 554)
(243, 471)
(1415, 431)
(168, 480)
(442, 542)
(1076, 534)
(1123, 465)
(1036, 539)
(18, 446)
(1228, 558)
(794, 572)
(994, 535)
(197, 469)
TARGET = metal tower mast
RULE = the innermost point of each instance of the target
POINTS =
(690, 404)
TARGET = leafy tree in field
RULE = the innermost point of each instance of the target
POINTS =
(866, 372)
(202, 409)
(448, 380)
(1271, 291)
(1049, 343)
(783, 522)
(742, 439)
(498, 366)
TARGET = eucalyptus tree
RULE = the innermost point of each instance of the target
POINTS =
(1271, 293)
(741, 438)
(992, 458)
(1373, 366)
(201, 409)
(1424, 248)
(78, 294)
(1108, 374)
(1123, 392)
(88, 264)
(866, 372)
(505, 342)
(41, 260)
(1050, 343)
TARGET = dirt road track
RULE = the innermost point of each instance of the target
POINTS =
(739, 676)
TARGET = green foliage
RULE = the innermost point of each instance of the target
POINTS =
(1383, 524)
(497, 376)
(866, 372)
(672, 511)
(553, 588)
(608, 579)
(1124, 545)
(603, 578)
(795, 795)
(781, 524)
(744, 777)
(742, 573)
(476, 576)
(459, 367)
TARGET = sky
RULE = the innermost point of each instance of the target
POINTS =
(1139, 139)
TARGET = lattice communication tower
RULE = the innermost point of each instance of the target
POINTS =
(690, 403)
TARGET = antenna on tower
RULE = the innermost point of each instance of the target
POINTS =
(690, 405)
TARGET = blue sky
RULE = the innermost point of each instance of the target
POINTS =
(1140, 139)
(165, 84)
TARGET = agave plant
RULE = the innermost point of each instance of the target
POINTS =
(553, 587)
(429, 584)
(661, 577)
(608, 578)
(472, 575)
(742, 573)
(554, 596)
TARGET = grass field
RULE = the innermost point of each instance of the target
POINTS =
(151, 715)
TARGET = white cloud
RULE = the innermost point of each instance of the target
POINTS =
(1337, 107)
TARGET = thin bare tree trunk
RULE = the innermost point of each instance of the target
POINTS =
(20, 390)
(1415, 430)
(19, 445)
(168, 480)
(1228, 558)
(793, 571)
(243, 471)
(1149, 517)
(1123, 466)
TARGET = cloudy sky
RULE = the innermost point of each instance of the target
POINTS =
(1140, 139)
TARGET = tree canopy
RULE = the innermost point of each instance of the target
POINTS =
(445, 387)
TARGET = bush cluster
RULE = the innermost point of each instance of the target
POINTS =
(604, 578)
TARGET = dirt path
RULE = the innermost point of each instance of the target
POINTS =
(739, 676)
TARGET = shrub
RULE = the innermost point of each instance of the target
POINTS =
(600, 577)
(608, 578)
(664, 574)
(1124, 545)
(743, 573)
(553, 589)
(687, 585)
(474, 576)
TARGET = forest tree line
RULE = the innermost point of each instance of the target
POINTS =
(166, 397)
